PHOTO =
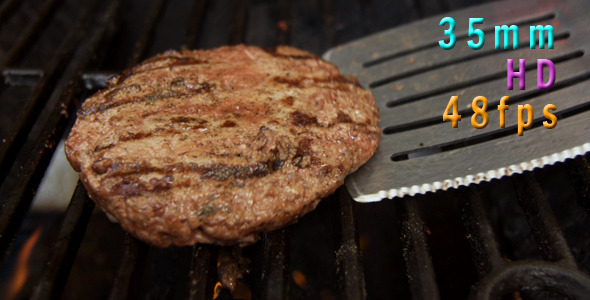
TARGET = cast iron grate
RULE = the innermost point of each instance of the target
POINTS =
(414, 258)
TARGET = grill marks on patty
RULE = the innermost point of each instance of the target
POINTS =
(128, 177)
(152, 64)
(220, 172)
(301, 156)
(132, 186)
(179, 92)
(178, 89)
(338, 82)
(215, 146)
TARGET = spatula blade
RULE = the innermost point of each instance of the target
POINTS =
(413, 79)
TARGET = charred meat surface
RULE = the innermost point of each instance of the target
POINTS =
(215, 146)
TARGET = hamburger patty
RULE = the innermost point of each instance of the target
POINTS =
(215, 146)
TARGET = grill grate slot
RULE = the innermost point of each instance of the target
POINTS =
(481, 138)
(434, 66)
(460, 38)
(477, 81)
(274, 265)
(421, 276)
(564, 83)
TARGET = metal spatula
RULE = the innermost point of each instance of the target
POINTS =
(413, 80)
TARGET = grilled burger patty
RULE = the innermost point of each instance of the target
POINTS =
(215, 146)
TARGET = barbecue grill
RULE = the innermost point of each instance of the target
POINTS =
(521, 237)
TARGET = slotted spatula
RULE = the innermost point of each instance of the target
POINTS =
(413, 79)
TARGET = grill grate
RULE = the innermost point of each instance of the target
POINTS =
(413, 257)
(35, 152)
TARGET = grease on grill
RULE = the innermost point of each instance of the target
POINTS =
(231, 267)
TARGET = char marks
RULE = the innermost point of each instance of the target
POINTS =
(214, 146)
(218, 171)
(223, 172)
(339, 82)
(136, 136)
(149, 99)
(228, 124)
(133, 186)
(173, 61)
(301, 119)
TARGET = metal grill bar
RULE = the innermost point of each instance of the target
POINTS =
(7, 8)
(166, 272)
(202, 272)
(238, 29)
(34, 103)
(194, 24)
(147, 34)
(30, 164)
(546, 229)
(134, 253)
(486, 251)
(274, 264)
(533, 274)
(349, 268)
(67, 243)
(559, 274)
(30, 33)
(579, 172)
(421, 276)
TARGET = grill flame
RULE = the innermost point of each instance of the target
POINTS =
(21, 269)
(217, 290)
